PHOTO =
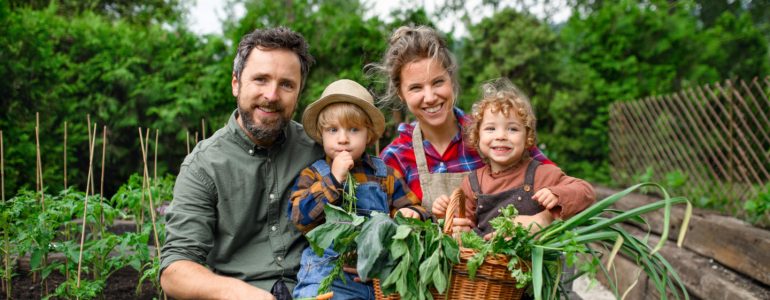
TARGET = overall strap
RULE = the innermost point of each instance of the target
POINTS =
(529, 178)
(475, 186)
(380, 168)
(322, 167)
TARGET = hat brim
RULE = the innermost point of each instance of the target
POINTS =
(310, 116)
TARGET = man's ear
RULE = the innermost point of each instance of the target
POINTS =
(235, 86)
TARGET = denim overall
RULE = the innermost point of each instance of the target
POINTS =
(521, 197)
(371, 197)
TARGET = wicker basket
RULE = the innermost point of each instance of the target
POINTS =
(492, 281)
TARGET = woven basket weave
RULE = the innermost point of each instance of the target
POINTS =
(493, 280)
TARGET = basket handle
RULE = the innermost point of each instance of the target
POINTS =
(456, 202)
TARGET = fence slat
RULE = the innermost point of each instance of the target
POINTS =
(718, 135)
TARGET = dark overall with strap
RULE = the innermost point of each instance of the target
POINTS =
(521, 197)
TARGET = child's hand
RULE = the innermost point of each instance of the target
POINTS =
(342, 163)
(546, 198)
(536, 222)
(462, 225)
(409, 213)
(438, 208)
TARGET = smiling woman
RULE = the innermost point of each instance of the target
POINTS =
(431, 152)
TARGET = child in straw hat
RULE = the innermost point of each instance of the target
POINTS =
(345, 121)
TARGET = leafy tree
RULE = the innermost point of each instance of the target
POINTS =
(516, 46)
(138, 12)
(124, 75)
(611, 59)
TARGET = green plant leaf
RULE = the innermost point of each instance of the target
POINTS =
(373, 241)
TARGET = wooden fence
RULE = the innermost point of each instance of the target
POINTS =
(717, 136)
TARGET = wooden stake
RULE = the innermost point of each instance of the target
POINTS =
(101, 186)
(152, 205)
(203, 127)
(65, 155)
(2, 167)
(88, 119)
(39, 161)
(196, 138)
(155, 163)
(187, 141)
(85, 204)
(7, 269)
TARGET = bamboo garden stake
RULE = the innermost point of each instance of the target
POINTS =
(38, 161)
(85, 204)
(88, 120)
(152, 206)
(155, 163)
(7, 244)
(203, 127)
(65, 154)
(39, 175)
(101, 185)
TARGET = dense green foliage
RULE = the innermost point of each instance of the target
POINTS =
(136, 64)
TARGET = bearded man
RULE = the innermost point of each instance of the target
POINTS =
(227, 233)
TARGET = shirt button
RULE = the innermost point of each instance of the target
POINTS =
(251, 151)
(273, 228)
(272, 197)
(279, 258)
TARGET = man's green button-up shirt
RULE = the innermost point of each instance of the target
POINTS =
(230, 205)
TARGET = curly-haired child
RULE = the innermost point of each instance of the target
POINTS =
(502, 130)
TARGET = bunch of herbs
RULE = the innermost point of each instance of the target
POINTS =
(339, 231)
(409, 256)
(597, 225)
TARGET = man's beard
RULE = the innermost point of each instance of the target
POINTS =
(267, 132)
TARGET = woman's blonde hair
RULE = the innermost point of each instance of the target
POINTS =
(409, 44)
(501, 95)
(348, 115)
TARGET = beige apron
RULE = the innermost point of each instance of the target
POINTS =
(433, 185)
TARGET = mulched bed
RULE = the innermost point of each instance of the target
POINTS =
(121, 285)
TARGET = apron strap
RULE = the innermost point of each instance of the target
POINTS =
(419, 151)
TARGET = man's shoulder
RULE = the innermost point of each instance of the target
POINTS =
(212, 146)
(298, 137)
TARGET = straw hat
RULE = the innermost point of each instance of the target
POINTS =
(347, 91)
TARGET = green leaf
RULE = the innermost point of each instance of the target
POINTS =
(428, 267)
(451, 248)
(335, 214)
(35, 259)
(537, 272)
(402, 232)
(322, 236)
(440, 280)
(373, 241)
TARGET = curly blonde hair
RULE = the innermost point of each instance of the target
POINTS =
(406, 45)
(501, 95)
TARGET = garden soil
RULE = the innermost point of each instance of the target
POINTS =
(120, 285)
